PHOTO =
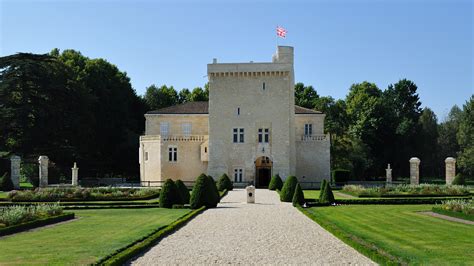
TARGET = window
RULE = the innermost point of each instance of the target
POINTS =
(263, 87)
(263, 135)
(238, 135)
(238, 110)
(186, 129)
(146, 156)
(238, 175)
(205, 149)
(172, 153)
(164, 128)
(308, 129)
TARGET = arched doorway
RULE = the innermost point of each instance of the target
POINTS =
(263, 171)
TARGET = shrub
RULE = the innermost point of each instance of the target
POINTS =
(340, 175)
(322, 187)
(275, 183)
(169, 194)
(459, 179)
(204, 193)
(183, 192)
(326, 196)
(298, 196)
(286, 194)
(224, 183)
(213, 196)
(457, 205)
(406, 190)
(19, 214)
(6, 183)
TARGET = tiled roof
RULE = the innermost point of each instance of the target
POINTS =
(203, 108)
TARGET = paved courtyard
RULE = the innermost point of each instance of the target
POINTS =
(268, 232)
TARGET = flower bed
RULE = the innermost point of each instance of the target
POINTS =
(422, 190)
(82, 194)
(18, 214)
(463, 209)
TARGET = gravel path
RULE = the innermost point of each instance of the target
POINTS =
(268, 232)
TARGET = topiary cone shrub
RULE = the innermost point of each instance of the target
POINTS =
(169, 194)
(6, 183)
(224, 183)
(322, 187)
(275, 183)
(298, 196)
(183, 192)
(288, 189)
(214, 196)
(326, 196)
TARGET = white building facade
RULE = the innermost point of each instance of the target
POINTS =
(250, 129)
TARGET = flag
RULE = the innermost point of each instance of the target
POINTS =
(281, 32)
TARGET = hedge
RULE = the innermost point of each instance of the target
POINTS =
(122, 255)
(36, 223)
(459, 215)
(156, 195)
(394, 201)
(340, 175)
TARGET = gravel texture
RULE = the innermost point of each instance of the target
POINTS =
(267, 232)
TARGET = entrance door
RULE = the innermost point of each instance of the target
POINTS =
(263, 172)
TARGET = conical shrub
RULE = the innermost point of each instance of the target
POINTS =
(169, 194)
(298, 196)
(198, 195)
(322, 188)
(275, 183)
(6, 183)
(288, 189)
(213, 196)
(183, 192)
(327, 196)
(224, 183)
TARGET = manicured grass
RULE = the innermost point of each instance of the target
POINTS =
(26, 185)
(314, 194)
(398, 233)
(94, 235)
(3, 195)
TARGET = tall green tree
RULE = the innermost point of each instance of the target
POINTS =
(199, 95)
(160, 97)
(465, 138)
(305, 96)
(447, 139)
(428, 138)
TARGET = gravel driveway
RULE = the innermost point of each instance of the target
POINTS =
(268, 232)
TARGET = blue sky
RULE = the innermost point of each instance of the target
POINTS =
(337, 43)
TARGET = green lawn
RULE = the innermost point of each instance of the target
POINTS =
(400, 233)
(95, 234)
(314, 194)
(3, 194)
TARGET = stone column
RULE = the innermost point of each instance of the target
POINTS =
(75, 175)
(43, 170)
(388, 174)
(450, 170)
(15, 171)
(414, 171)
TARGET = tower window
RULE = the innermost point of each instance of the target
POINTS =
(238, 110)
(263, 135)
(263, 87)
(308, 129)
(238, 135)
(172, 154)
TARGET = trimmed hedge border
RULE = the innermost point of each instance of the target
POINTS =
(79, 203)
(388, 201)
(459, 215)
(405, 195)
(153, 196)
(89, 207)
(122, 255)
(36, 223)
(368, 249)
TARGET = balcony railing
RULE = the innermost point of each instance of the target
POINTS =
(196, 138)
(313, 137)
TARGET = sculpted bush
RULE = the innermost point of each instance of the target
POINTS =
(169, 194)
(298, 196)
(224, 183)
(183, 192)
(275, 183)
(286, 194)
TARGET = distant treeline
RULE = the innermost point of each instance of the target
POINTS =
(73, 108)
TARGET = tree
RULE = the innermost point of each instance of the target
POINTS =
(199, 95)
(161, 97)
(428, 143)
(6, 183)
(184, 96)
(447, 140)
(305, 96)
(465, 137)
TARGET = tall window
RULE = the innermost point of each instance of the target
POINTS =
(308, 129)
(238, 135)
(164, 128)
(186, 129)
(263, 135)
(238, 175)
(172, 153)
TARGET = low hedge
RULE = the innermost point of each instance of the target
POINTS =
(89, 207)
(122, 255)
(36, 223)
(382, 201)
(454, 214)
(408, 195)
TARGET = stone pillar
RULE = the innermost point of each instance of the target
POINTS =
(43, 170)
(450, 170)
(388, 174)
(15, 171)
(75, 175)
(414, 171)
